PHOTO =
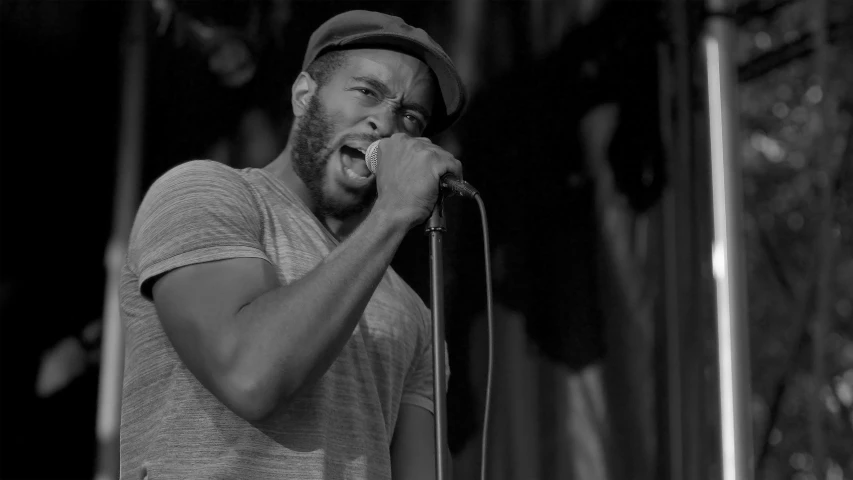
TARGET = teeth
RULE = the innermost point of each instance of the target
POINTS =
(352, 174)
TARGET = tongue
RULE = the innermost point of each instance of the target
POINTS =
(358, 166)
(355, 163)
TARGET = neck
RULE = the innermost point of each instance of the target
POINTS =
(282, 168)
(342, 229)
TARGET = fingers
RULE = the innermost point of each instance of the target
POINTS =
(456, 168)
(409, 182)
(440, 161)
(444, 162)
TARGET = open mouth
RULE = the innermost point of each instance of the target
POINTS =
(353, 163)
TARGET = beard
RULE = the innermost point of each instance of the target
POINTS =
(310, 155)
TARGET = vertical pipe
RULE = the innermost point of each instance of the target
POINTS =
(727, 257)
(125, 201)
(825, 244)
(671, 433)
(468, 25)
(679, 277)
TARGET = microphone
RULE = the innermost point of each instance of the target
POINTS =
(448, 181)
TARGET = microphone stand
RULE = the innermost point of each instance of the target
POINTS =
(436, 228)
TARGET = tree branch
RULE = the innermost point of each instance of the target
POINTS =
(803, 337)
(776, 266)
(785, 54)
(757, 9)
(837, 177)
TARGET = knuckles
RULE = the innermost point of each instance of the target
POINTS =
(422, 149)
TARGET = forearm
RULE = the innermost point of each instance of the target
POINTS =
(288, 337)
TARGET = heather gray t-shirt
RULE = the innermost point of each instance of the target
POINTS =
(341, 427)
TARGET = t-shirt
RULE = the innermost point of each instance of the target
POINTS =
(340, 427)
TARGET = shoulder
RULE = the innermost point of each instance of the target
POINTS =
(199, 206)
(199, 173)
(199, 181)
(196, 192)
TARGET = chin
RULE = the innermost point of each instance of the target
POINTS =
(345, 206)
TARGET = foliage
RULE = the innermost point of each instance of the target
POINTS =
(784, 176)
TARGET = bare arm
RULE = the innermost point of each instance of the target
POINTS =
(253, 342)
(413, 446)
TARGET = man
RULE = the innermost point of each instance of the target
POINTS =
(267, 336)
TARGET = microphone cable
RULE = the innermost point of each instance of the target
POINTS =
(465, 189)
(491, 335)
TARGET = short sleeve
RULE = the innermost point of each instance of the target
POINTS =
(199, 211)
(418, 389)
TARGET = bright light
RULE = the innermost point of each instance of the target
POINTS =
(763, 40)
(781, 110)
(719, 256)
(814, 94)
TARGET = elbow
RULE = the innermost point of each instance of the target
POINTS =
(251, 410)
(255, 388)
(254, 399)
(248, 387)
(250, 400)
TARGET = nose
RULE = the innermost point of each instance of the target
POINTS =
(383, 121)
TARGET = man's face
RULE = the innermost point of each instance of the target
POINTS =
(375, 94)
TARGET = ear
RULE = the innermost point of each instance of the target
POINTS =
(304, 87)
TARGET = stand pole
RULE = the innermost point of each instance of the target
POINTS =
(436, 228)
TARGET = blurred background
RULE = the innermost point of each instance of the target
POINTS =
(587, 136)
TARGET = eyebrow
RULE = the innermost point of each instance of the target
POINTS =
(383, 90)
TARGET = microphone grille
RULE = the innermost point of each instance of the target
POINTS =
(371, 156)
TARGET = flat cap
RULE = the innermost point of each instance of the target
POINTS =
(366, 29)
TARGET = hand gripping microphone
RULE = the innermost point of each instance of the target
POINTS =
(448, 180)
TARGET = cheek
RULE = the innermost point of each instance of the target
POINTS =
(349, 114)
(343, 112)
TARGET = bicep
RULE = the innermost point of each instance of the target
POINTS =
(413, 446)
(198, 305)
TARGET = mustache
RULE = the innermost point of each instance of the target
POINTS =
(330, 148)
(366, 137)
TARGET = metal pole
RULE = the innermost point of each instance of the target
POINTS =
(436, 228)
(125, 202)
(727, 257)
(826, 243)
(679, 214)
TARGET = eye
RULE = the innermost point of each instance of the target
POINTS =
(415, 120)
(366, 92)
